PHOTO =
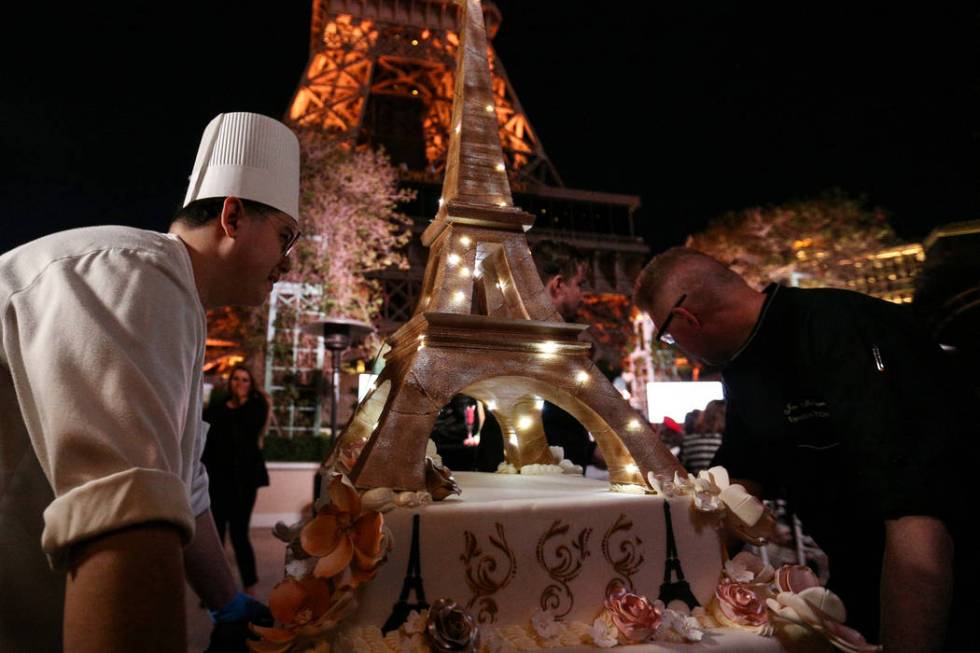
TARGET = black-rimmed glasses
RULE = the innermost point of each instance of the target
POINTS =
(662, 335)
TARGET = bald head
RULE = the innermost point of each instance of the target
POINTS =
(719, 307)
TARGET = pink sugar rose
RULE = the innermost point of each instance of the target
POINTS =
(740, 606)
(795, 578)
(633, 615)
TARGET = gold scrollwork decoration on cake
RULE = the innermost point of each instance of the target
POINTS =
(480, 573)
(630, 549)
(566, 567)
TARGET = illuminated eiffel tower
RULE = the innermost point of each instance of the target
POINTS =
(382, 72)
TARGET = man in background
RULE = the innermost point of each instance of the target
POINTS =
(102, 334)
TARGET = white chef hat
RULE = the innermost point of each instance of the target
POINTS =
(250, 156)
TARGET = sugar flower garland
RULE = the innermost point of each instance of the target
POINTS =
(752, 596)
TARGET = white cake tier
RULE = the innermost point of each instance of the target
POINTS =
(513, 545)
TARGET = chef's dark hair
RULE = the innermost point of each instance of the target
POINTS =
(200, 212)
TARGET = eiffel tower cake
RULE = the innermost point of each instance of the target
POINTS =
(510, 355)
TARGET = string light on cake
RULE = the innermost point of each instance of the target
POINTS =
(538, 403)
(453, 259)
(501, 167)
(502, 204)
(581, 376)
(524, 422)
(459, 296)
(632, 468)
(548, 347)
(633, 425)
(464, 271)
(465, 241)
(502, 285)
(489, 108)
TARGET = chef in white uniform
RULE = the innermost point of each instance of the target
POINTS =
(103, 499)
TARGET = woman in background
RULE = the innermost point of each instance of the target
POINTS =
(700, 443)
(236, 468)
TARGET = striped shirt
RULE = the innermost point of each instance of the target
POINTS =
(697, 450)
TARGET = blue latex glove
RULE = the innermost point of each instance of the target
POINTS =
(242, 609)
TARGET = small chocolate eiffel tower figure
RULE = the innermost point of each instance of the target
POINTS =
(413, 581)
(678, 590)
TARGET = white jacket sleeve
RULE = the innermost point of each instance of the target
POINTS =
(200, 499)
(102, 351)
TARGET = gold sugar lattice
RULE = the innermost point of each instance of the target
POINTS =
(515, 354)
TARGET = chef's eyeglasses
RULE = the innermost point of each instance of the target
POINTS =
(662, 335)
(286, 240)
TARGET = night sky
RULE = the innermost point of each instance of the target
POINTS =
(699, 108)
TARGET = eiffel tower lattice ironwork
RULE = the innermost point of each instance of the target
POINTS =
(403, 50)
(674, 590)
(413, 582)
(485, 326)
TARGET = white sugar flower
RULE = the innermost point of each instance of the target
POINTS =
(568, 467)
(381, 499)
(677, 627)
(713, 488)
(604, 633)
(506, 468)
(821, 611)
(415, 623)
(746, 567)
(661, 485)
(491, 639)
(627, 488)
(544, 624)
(300, 569)
(412, 499)
(541, 470)
(685, 484)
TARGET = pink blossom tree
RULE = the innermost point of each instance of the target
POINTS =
(349, 201)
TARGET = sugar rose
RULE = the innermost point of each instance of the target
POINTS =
(795, 578)
(739, 606)
(449, 629)
(633, 615)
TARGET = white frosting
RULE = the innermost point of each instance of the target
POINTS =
(526, 507)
